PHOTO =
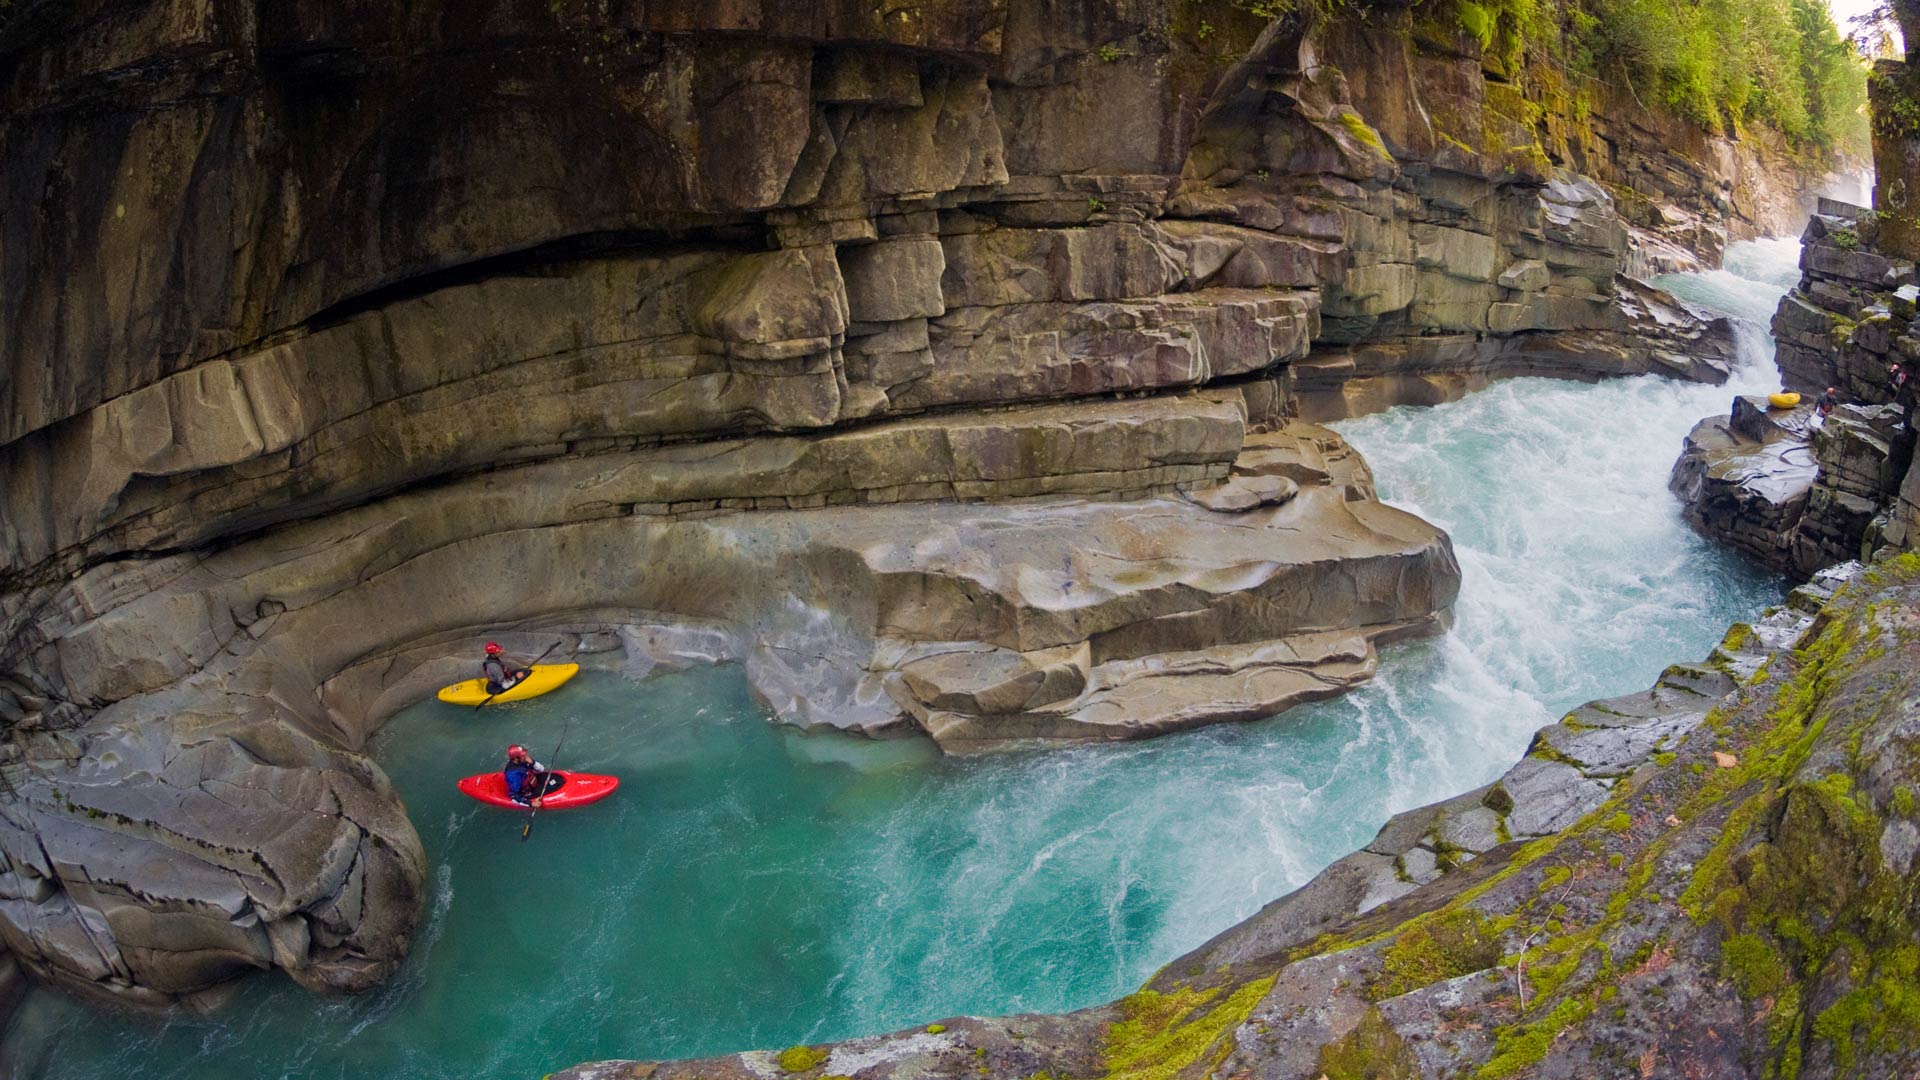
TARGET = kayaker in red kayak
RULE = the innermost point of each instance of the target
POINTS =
(526, 778)
(496, 670)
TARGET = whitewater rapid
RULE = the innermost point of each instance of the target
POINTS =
(753, 886)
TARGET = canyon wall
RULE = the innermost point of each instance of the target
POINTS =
(950, 365)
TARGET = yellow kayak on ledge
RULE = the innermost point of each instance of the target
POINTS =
(542, 678)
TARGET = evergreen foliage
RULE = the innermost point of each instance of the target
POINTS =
(1720, 63)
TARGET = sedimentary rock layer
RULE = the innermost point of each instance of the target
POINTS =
(908, 355)
(205, 817)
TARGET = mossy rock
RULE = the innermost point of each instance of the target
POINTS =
(799, 1059)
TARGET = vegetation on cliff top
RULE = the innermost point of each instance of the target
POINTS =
(1778, 63)
(1781, 63)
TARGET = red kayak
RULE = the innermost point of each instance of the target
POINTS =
(565, 790)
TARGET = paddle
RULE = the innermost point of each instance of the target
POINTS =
(530, 667)
(532, 810)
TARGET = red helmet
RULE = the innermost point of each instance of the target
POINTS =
(492, 648)
(516, 750)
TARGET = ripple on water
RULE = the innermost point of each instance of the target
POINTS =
(752, 886)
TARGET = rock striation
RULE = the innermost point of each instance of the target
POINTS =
(1713, 878)
(947, 364)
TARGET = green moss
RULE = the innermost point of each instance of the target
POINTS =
(1737, 637)
(1545, 751)
(1883, 1015)
(1371, 1051)
(1620, 822)
(1455, 943)
(1363, 133)
(797, 1059)
(1903, 801)
(1755, 966)
(1664, 759)
(1549, 975)
(1796, 875)
(1479, 21)
(1518, 1048)
(1497, 799)
(1446, 855)
(935, 1029)
(1162, 1034)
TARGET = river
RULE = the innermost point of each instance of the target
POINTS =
(751, 886)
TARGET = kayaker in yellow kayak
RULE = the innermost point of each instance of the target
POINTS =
(498, 672)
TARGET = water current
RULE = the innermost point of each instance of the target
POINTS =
(750, 886)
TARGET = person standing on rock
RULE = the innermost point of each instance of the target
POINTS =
(1902, 392)
(1828, 402)
(526, 778)
(499, 674)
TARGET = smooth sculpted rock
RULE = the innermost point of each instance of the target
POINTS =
(157, 862)
(189, 803)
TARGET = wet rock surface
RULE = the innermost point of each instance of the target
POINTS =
(1746, 478)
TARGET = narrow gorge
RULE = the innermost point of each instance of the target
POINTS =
(1034, 486)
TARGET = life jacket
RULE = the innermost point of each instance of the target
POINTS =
(520, 778)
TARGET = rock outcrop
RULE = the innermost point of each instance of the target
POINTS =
(1745, 479)
(1794, 492)
(1713, 878)
(942, 362)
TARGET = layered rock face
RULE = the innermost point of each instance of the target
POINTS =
(1793, 492)
(1712, 878)
(943, 363)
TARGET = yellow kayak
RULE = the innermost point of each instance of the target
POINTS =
(542, 678)
(1784, 400)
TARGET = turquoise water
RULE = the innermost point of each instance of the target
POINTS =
(752, 886)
